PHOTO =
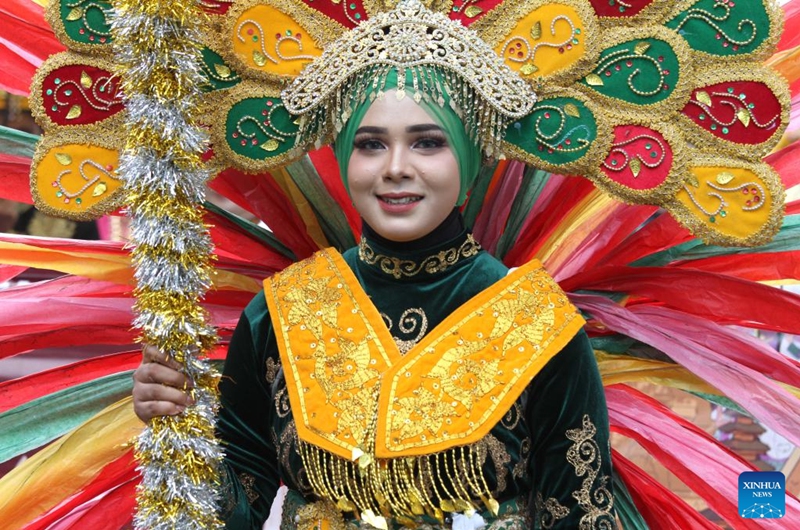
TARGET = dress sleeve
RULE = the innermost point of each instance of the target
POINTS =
(571, 458)
(249, 473)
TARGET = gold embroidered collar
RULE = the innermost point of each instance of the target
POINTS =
(351, 390)
(408, 268)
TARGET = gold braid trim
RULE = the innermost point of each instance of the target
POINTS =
(398, 268)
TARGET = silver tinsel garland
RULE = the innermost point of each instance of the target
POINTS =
(165, 184)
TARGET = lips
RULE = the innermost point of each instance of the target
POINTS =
(399, 203)
(399, 199)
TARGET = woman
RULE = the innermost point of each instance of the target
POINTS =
(413, 380)
(418, 264)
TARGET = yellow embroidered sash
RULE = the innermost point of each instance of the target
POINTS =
(352, 392)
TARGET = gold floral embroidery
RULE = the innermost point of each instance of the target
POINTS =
(594, 499)
(371, 423)
(248, 482)
(524, 453)
(352, 391)
(412, 320)
(511, 419)
(500, 457)
(272, 370)
(448, 372)
(549, 511)
(282, 406)
(432, 264)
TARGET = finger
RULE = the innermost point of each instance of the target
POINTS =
(151, 354)
(148, 410)
(162, 375)
(143, 393)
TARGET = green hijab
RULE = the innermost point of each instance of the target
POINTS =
(466, 150)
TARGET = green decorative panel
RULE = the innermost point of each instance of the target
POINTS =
(723, 28)
(260, 129)
(87, 21)
(639, 72)
(559, 131)
(218, 74)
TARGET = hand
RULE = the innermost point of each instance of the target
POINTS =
(159, 387)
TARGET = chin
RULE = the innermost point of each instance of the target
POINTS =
(400, 234)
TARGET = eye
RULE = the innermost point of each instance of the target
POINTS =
(430, 142)
(367, 144)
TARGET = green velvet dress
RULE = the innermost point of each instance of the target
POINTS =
(547, 461)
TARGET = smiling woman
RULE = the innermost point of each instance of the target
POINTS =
(412, 380)
(403, 177)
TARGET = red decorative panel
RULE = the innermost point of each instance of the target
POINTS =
(640, 158)
(619, 8)
(79, 94)
(745, 112)
(468, 11)
(349, 13)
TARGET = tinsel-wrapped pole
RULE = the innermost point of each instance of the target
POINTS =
(158, 62)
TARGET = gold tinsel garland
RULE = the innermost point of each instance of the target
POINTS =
(158, 61)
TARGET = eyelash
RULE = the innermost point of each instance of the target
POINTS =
(364, 143)
(438, 140)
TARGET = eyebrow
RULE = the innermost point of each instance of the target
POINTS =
(422, 127)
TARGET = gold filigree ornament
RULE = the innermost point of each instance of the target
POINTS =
(76, 91)
(274, 40)
(252, 130)
(432, 264)
(73, 175)
(730, 202)
(547, 42)
(411, 38)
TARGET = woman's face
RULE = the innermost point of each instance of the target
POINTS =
(403, 176)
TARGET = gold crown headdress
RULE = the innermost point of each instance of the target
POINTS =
(661, 103)
(483, 89)
(656, 102)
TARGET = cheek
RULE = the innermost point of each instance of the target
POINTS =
(359, 172)
(450, 183)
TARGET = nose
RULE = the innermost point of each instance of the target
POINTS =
(398, 165)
